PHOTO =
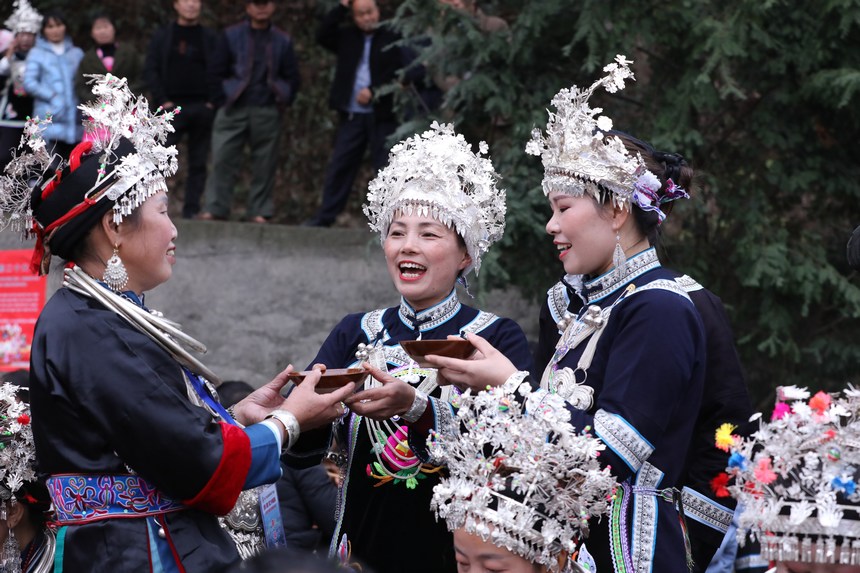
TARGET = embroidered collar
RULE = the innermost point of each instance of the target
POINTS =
(610, 281)
(128, 295)
(430, 318)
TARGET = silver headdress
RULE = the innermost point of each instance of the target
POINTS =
(118, 114)
(24, 18)
(120, 164)
(30, 161)
(437, 174)
(580, 159)
(796, 477)
(520, 476)
(18, 453)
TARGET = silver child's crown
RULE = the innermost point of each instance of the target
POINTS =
(520, 476)
(436, 174)
(578, 158)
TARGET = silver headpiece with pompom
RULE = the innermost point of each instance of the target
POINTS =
(520, 476)
(436, 174)
(114, 115)
(24, 18)
(117, 113)
(796, 477)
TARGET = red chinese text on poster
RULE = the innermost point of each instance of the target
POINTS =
(22, 295)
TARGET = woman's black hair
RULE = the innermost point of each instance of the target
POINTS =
(82, 249)
(54, 15)
(665, 166)
(101, 16)
(35, 498)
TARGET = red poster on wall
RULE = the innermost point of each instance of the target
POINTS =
(22, 295)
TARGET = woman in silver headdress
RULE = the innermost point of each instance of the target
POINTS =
(631, 362)
(437, 210)
(142, 458)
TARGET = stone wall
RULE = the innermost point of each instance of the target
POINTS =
(263, 296)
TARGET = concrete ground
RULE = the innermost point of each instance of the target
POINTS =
(263, 296)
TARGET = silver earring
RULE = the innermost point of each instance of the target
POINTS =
(115, 276)
(11, 554)
(619, 259)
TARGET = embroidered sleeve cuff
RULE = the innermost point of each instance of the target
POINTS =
(514, 381)
(224, 486)
(622, 438)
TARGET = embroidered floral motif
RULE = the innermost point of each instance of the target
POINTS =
(84, 498)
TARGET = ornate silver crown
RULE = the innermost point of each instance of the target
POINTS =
(117, 114)
(520, 476)
(436, 174)
(577, 156)
(114, 115)
(18, 453)
(796, 477)
(24, 18)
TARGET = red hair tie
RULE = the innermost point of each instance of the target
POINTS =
(74, 162)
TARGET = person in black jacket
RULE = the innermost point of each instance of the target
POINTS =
(178, 73)
(367, 59)
(259, 75)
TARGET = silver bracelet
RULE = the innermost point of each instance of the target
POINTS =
(514, 381)
(419, 404)
(291, 425)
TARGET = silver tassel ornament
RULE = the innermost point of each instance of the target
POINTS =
(115, 275)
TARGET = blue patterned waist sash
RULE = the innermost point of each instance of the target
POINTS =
(84, 498)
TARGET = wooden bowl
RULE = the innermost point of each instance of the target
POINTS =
(332, 378)
(418, 349)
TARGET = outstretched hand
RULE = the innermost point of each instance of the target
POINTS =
(311, 410)
(486, 367)
(258, 404)
(393, 398)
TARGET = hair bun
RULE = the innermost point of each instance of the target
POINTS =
(673, 162)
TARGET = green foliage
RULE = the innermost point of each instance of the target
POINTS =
(762, 97)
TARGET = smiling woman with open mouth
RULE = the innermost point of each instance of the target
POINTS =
(437, 210)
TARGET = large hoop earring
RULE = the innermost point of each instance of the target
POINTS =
(115, 275)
